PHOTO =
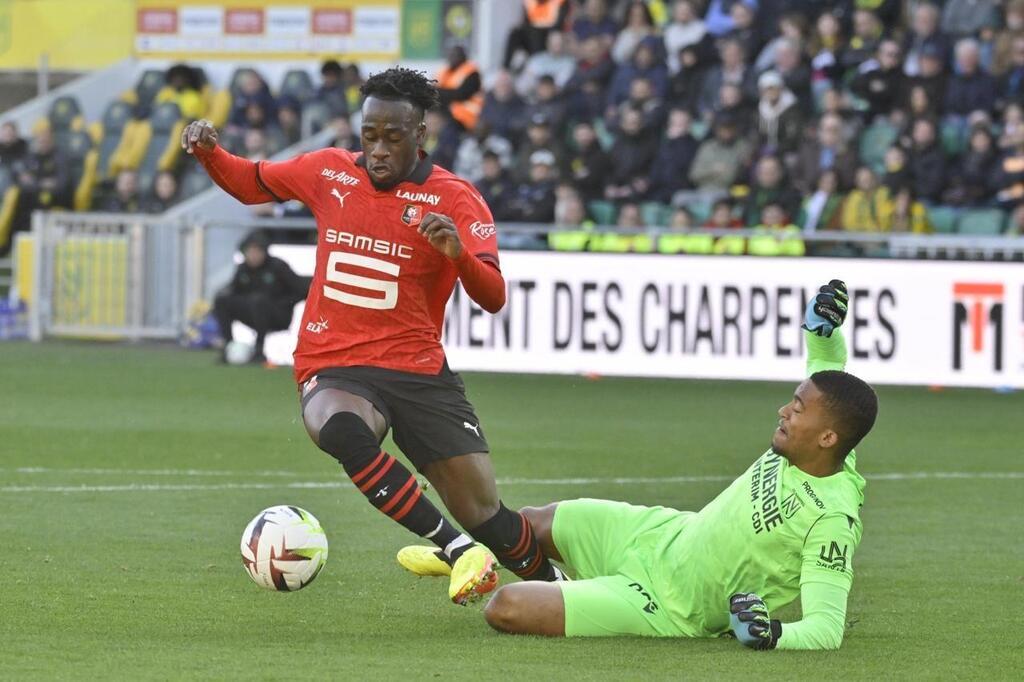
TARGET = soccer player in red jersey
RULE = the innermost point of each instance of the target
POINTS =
(394, 233)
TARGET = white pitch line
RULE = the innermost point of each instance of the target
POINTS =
(156, 487)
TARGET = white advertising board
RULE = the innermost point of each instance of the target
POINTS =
(910, 322)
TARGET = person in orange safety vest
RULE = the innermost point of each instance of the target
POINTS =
(461, 88)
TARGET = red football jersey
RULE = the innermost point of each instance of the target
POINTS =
(379, 290)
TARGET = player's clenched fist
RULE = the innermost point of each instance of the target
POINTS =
(442, 234)
(827, 311)
(748, 616)
(199, 134)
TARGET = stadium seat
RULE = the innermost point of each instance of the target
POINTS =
(8, 206)
(953, 141)
(942, 219)
(603, 212)
(113, 129)
(873, 143)
(193, 182)
(82, 159)
(65, 117)
(297, 84)
(219, 108)
(234, 87)
(654, 213)
(149, 83)
(315, 116)
(982, 222)
(164, 146)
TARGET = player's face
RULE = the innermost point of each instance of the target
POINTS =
(803, 430)
(391, 134)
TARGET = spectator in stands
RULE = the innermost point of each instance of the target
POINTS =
(820, 209)
(629, 215)
(880, 81)
(555, 61)
(770, 186)
(534, 200)
(344, 136)
(252, 89)
(639, 26)
(897, 170)
(796, 75)
(541, 20)
(539, 136)
(125, 196)
(718, 18)
(261, 295)
(1006, 38)
(779, 120)
(733, 69)
(924, 30)
(970, 88)
(1011, 86)
(593, 22)
(684, 88)
(732, 103)
(586, 165)
(1013, 126)
(963, 18)
(643, 98)
(971, 183)
(792, 29)
(686, 30)
(570, 211)
(827, 151)
(775, 222)
(721, 157)
(835, 102)
(333, 90)
(681, 219)
(932, 80)
(495, 185)
(504, 110)
(646, 63)
(1008, 179)
(632, 154)
(863, 46)
(164, 194)
(927, 161)
(469, 158)
(867, 206)
(183, 87)
(744, 30)
(826, 49)
(460, 88)
(548, 103)
(13, 147)
(723, 216)
(43, 178)
(255, 145)
(586, 88)
(670, 171)
(441, 137)
(289, 120)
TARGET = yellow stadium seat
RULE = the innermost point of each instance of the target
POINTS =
(220, 108)
(8, 206)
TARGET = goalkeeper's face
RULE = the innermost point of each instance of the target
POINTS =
(805, 429)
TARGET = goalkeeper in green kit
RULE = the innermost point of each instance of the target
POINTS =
(788, 526)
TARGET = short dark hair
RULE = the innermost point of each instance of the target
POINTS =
(852, 404)
(409, 85)
(331, 67)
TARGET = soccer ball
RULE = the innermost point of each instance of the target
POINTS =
(284, 548)
(238, 353)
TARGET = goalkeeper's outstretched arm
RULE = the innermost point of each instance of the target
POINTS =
(826, 346)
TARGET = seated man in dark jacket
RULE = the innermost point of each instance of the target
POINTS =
(262, 294)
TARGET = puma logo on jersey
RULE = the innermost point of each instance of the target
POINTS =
(421, 197)
(339, 176)
(474, 429)
(340, 197)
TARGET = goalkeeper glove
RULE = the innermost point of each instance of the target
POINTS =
(748, 616)
(826, 311)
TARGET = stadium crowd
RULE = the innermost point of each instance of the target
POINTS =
(791, 115)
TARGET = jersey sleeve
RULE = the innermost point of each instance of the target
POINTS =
(823, 622)
(476, 226)
(291, 179)
(825, 352)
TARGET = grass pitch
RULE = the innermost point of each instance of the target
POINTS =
(128, 473)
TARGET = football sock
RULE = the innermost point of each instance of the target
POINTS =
(510, 536)
(387, 484)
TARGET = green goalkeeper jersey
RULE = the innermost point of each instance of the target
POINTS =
(774, 531)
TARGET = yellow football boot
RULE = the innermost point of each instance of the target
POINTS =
(473, 575)
(422, 560)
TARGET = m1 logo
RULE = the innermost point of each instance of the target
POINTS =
(977, 305)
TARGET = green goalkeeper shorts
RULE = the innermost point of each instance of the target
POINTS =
(603, 543)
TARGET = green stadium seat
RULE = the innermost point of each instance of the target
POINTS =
(942, 219)
(873, 143)
(953, 141)
(115, 118)
(603, 212)
(982, 222)
(699, 129)
(654, 214)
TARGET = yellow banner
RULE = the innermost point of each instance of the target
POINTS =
(74, 34)
(89, 281)
(268, 29)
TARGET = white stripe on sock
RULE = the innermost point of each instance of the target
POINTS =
(435, 531)
(460, 541)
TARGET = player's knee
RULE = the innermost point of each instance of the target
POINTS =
(345, 436)
(540, 518)
(504, 611)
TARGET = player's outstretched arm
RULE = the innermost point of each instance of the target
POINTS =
(237, 176)
(822, 625)
(825, 314)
